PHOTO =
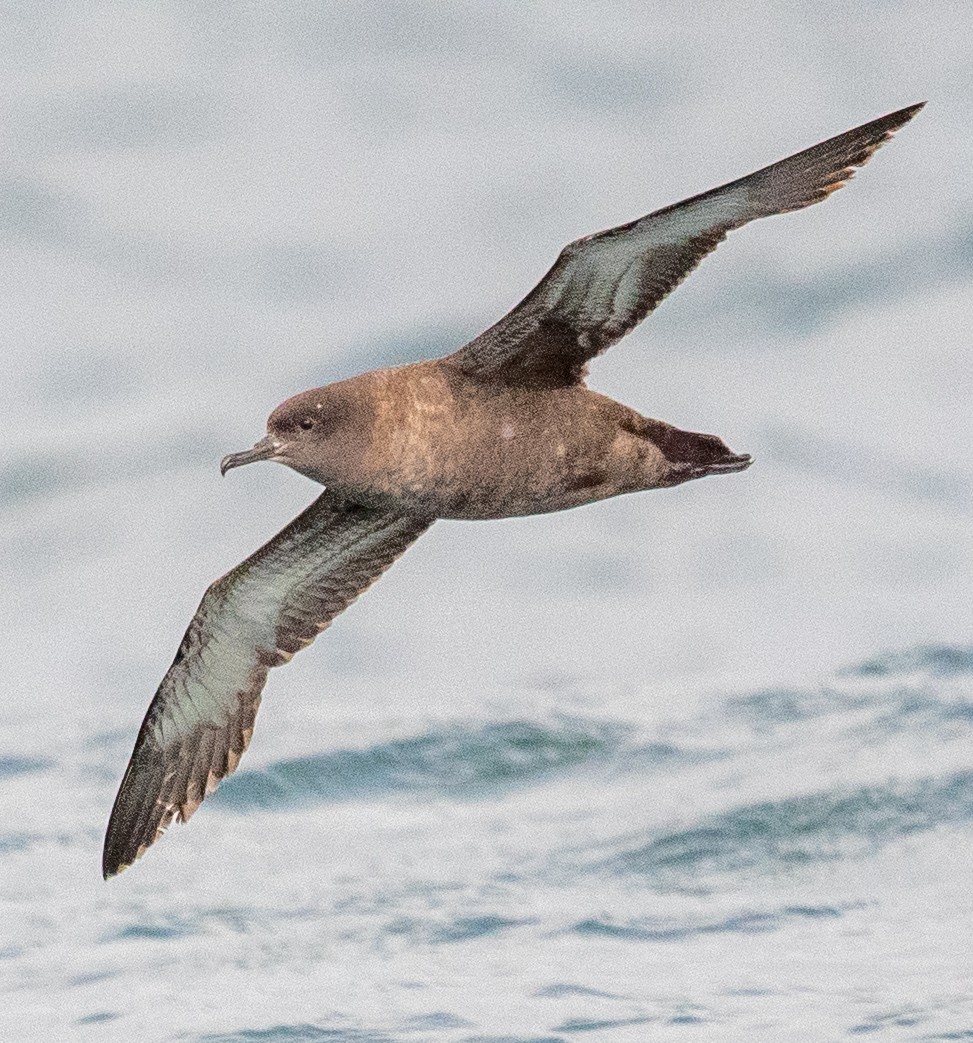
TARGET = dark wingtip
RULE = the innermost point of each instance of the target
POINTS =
(901, 116)
(115, 858)
(123, 850)
(112, 857)
(136, 817)
(111, 862)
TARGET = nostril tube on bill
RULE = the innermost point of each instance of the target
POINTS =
(263, 450)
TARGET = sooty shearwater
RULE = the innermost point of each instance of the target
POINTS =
(504, 426)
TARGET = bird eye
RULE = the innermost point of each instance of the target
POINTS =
(307, 423)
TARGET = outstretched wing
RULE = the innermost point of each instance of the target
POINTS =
(255, 617)
(603, 285)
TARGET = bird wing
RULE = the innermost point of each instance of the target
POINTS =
(604, 285)
(253, 618)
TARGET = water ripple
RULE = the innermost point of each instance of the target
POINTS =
(303, 1033)
(661, 930)
(460, 929)
(783, 834)
(162, 929)
(514, 1039)
(937, 660)
(12, 766)
(457, 761)
(898, 690)
(98, 1018)
(592, 1025)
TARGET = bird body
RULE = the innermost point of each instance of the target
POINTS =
(433, 441)
(504, 426)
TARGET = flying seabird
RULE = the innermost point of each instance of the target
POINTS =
(505, 426)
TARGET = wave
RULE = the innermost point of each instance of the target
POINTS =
(12, 843)
(13, 766)
(307, 1033)
(668, 930)
(456, 761)
(937, 660)
(912, 690)
(777, 835)
(458, 929)
(594, 1024)
(790, 705)
(302, 1033)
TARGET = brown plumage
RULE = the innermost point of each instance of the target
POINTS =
(505, 426)
(255, 617)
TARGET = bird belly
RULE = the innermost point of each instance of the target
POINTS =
(510, 469)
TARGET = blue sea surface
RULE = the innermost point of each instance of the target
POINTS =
(767, 857)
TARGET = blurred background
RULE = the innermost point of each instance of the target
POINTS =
(686, 763)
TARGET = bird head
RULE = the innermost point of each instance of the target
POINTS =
(298, 432)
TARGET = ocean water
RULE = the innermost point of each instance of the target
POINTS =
(688, 765)
(789, 861)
